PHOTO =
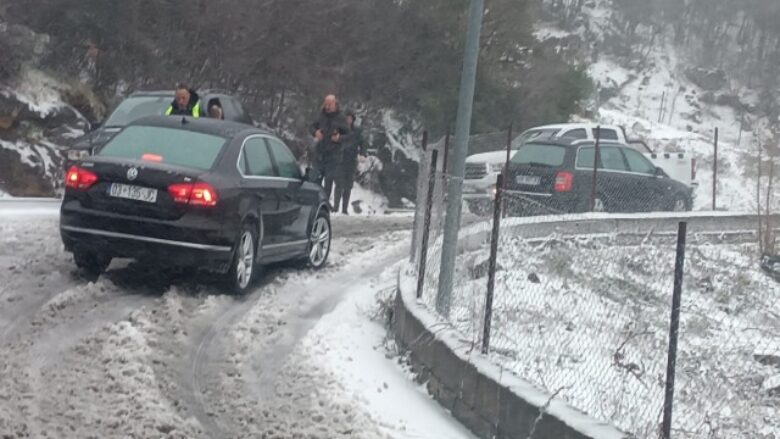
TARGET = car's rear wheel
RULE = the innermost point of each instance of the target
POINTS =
(242, 268)
(598, 205)
(91, 263)
(319, 242)
(680, 204)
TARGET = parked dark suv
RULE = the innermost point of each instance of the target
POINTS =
(556, 176)
(147, 103)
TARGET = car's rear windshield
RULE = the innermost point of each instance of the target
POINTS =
(134, 108)
(165, 145)
(539, 154)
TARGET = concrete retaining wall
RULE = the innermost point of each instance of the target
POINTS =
(490, 402)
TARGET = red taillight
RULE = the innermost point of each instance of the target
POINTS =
(195, 194)
(152, 157)
(563, 181)
(81, 179)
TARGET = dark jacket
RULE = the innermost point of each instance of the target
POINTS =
(352, 145)
(326, 151)
(193, 107)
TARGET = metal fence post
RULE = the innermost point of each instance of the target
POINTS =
(457, 164)
(415, 222)
(596, 160)
(506, 163)
(715, 172)
(492, 265)
(666, 428)
(427, 224)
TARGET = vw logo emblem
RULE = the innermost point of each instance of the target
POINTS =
(132, 174)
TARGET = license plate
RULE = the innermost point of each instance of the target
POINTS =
(528, 180)
(131, 192)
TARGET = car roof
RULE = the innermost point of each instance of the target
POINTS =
(563, 141)
(172, 93)
(205, 125)
(573, 126)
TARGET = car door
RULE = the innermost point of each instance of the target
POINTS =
(258, 179)
(650, 189)
(611, 185)
(295, 203)
(615, 180)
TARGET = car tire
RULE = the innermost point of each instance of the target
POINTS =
(599, 205)
(478, 209)
(680, 204)
(243, 268)
(319, 242)
(91, 263)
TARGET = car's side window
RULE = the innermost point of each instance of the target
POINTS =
(579, 133)
(285, 160)
(612, 159)
(638, 163)
(585, 158)
(258, 160)
(606, 134)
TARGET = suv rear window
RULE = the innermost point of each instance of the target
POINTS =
(539, 154)
(165, 145)
(134, 108)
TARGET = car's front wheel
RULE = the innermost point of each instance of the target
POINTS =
(92, 264)
(242, 268)
(319, 242)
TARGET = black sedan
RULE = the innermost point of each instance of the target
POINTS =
(557, 176)
(209, 194)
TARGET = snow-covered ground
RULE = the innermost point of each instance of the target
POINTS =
(156, 353)
(590, 319)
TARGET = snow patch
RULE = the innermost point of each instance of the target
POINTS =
(39, 91)
(399, 137)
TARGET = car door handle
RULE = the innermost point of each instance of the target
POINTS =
(287, 197)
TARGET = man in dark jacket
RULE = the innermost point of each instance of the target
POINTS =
(352, 146)
(186, 103)
(328, 131)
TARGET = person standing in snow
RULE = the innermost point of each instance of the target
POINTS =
(352, 145)
(328, 130)
(186, 103)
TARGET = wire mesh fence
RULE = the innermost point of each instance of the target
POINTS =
(584, 311)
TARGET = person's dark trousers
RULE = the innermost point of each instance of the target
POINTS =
(344, 189)
(329, 178)
(329, 181)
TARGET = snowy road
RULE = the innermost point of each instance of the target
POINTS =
(145, 353)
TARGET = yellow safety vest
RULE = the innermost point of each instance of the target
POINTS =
(195, 110)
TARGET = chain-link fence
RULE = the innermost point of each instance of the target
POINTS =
(582, 304)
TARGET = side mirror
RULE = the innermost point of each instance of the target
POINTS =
(96, 126)
(659, 172)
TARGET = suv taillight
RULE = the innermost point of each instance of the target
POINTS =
(80, 179)
(194, 194)
(563, 181)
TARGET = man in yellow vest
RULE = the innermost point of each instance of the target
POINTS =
(186, 103)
